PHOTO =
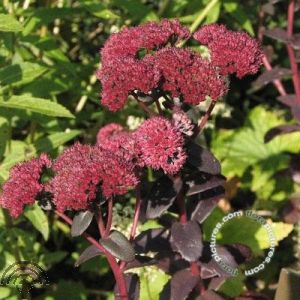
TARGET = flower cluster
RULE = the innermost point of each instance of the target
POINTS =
(145, 58)
(186, 75)
(24, 184)
(157, 144)
(232, 52)
(161, 145)
(82, 170)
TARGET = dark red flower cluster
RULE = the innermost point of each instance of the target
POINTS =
(161, 145)
(187, 75)
(150, 36)
(23, 185)
(81, 170)
(114, 138)
(232, 52)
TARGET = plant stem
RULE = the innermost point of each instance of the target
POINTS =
(100, 223)
(109, 216)
(118, 273)
(205, 118)
(144, 106)
(137, 211)
(291, 52)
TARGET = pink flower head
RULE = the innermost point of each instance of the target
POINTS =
(161, 145)
(108, 131)
(82, 170)
(187, 75)
(123, 71)
(23, 185)
(232, 52)
(115, 139)
(121, 77)
(150, 36)
(182, 122)
(117, 174)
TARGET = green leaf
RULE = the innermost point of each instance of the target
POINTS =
(245, 147)
(4, 292)
(8, 23)
(99, 10)
(20, 74)
(38, 105)
(4, 134)
(38, 219)
(53, 141)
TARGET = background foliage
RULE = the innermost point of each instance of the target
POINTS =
(49, 98)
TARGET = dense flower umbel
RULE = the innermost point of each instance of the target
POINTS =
(161, 145)
(82, 170)
(232, 52)
(24, 184)
(123, 71)
(150, 36)
(187, 75)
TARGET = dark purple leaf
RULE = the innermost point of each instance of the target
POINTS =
(161, 196)
(200, 182)
(295, 168)
(187, 240)
(291, 211)
(133, 287)
(170, 262)
(180, 286)
(289, 100)
(81, 222)
(211, 295)
(207, 271)
(278, 34)
(89, 253)
(295, 42)
(140, 261)
(240, 252)
(216, 282)
(119, 246)
(154, 240)
(205, 207)
(296, 112)
(202, 159)
(279, 130)
(269, 76)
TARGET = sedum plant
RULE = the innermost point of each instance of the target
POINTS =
(176, 181)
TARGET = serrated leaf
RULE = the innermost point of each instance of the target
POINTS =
(89, 253)
(38, 219)
(21, 73)
(119, 246)
(243, 148)
(52, 141)
(187, 240)
(81, 222)
(161, 196)
(9, 23)
(37, 105)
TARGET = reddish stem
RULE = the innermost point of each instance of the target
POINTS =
(101, 225)
(137, 211)
(291, 52)
(109, 216)
(119, 276)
